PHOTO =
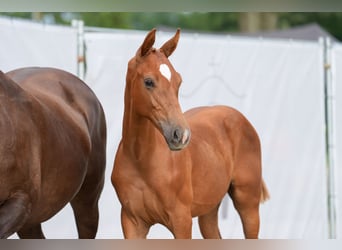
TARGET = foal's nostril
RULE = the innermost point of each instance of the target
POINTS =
(177, 135)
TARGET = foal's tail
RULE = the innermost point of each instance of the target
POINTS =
(265, 195)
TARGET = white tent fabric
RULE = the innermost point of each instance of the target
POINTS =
(277, 84)
(25, 44)
(337, 80)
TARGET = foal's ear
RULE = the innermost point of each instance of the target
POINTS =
(171, 45)
(148, 42)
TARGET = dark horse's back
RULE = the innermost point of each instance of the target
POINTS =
(66, 131)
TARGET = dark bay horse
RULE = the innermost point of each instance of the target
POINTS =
(161, 175)
(52, 151)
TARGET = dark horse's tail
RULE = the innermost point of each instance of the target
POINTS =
(265, 195)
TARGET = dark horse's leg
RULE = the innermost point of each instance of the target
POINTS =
(33, 232)
(86, 211)
(13, 213)
(85, 203)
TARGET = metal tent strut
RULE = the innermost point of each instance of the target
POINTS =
(330, 137)
(79, 26)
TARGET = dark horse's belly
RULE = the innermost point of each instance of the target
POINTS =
(61, 113)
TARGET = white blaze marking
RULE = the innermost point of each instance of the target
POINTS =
(165, 71)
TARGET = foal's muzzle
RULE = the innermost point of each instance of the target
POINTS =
(176, 137)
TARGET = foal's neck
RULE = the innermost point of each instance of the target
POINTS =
(139, 135)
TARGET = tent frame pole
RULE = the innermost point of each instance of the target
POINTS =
(79, 25)
(330, 144)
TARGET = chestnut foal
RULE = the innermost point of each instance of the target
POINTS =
(160, 175)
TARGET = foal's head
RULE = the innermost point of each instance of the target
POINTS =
(152, 90)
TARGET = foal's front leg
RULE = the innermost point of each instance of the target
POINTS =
(183, 228)
(133, 228)
(181, 224)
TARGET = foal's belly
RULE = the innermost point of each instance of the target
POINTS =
(211, 177)
(209, 187)
(212, 160)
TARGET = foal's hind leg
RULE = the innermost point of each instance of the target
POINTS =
(246, 199)
(33, 232)
(208, 224)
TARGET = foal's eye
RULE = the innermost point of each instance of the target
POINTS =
(149, 83)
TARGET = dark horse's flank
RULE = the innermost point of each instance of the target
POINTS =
(162, 174)
(52, 151)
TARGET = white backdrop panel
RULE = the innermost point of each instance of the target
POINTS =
(26, 44)
(337, 79)
(276, 84)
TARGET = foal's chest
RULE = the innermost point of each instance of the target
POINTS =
(150, 197)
